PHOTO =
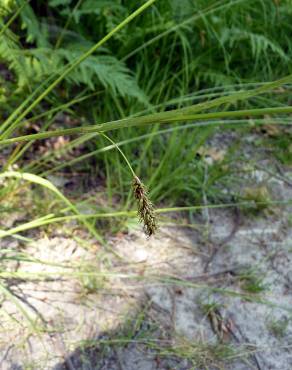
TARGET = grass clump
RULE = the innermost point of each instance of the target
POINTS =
(173, 56)
(282, 148)
(258, 195)
(197, 354)
(91, 279)
(278, 327)
(252, 281)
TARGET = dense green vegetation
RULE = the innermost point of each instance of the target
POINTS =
(174, 55)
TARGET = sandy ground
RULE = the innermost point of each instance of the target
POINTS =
(216, 296)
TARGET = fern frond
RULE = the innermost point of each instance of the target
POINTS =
(261, 46)
(216, 78)
(35, 30)
(33, 65)
(107, 70)
(9, 49)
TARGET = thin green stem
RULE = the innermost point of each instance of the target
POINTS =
(121, 152)
(60, 38)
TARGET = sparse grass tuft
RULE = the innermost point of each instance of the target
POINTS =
(278, 327)
(90, 282)
(252, 281)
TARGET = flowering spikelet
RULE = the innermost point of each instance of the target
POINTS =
(145, 207)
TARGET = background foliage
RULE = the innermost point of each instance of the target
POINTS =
(177, 53)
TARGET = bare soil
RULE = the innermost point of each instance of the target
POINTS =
(214, 296)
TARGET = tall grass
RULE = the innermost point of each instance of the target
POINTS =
(186, 61)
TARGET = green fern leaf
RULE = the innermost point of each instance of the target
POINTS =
(107, 70)
(36, 32)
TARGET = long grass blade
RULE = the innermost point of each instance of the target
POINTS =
(179, 115)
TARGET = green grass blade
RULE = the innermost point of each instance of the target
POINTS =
(179, 115)
(47, 184)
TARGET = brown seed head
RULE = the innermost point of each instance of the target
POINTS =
(145, 207)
